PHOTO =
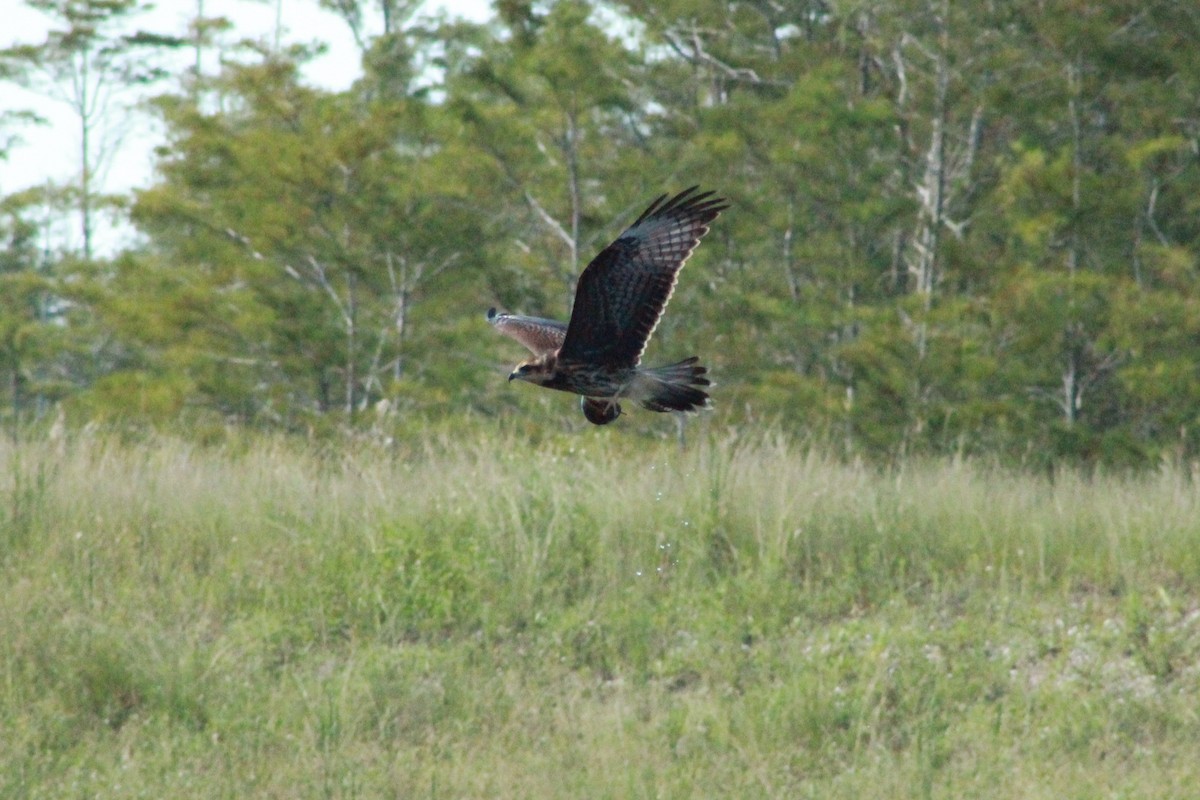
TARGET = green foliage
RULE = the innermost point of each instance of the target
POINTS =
(955, 227)
(319, 292)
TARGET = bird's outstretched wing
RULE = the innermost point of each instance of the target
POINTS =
(622, 293)
(541, 336)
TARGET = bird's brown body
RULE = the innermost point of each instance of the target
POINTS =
(576, 377)
(619, 300)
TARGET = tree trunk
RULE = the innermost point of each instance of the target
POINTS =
(85, 155)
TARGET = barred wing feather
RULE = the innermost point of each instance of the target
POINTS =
(623, 292)
(541, 336)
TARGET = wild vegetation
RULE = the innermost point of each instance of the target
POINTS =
(571, 618)
(963, 227)
(273, 525)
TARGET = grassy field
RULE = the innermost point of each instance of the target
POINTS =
(589, 618)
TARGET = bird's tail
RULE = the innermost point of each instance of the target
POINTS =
(675, 387)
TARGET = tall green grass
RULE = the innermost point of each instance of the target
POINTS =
(592, 617)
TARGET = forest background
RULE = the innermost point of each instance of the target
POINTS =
(956, 227)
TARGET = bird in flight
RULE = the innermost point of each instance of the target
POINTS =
(619, 300)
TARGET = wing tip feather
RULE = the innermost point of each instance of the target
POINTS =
(702, 204)
(703, 207)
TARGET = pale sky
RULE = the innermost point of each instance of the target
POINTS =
(50, 151)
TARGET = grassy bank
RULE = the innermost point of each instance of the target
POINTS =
(590, 617)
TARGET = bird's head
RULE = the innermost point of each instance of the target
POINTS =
(536, 370)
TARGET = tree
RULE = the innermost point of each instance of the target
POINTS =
(87, 63)
(549, 104)
(1104, 146)
(24, 294)
(328, 214)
